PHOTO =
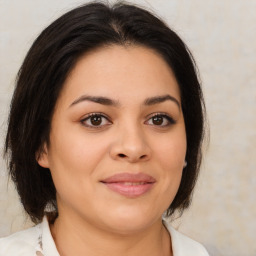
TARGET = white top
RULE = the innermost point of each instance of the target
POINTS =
(38, 241)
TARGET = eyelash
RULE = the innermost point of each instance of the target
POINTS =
(165, 116)
(169, 119)
(90, 116)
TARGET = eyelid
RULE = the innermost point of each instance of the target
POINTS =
(88, 116)
(170, 119)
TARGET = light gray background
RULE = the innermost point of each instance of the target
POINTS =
(222, 37)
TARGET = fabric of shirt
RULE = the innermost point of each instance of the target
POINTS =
(38, 241)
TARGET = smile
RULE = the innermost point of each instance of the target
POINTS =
(134, 183)
(130, 185)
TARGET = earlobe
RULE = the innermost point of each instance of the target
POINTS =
(42, 157)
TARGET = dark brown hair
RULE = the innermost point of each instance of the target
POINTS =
(48, 63)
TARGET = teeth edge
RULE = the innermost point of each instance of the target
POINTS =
(133, 183)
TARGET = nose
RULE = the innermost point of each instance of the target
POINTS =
(130, 145)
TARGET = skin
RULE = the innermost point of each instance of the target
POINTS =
(126, 139)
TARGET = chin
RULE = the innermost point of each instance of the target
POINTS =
(128, 228)
(128, 222)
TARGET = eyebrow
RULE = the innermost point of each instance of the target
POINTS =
(97, 99)
(110, 102)
(160, 99)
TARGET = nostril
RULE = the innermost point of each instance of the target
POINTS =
(121, 155)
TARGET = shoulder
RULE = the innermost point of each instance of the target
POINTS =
(30, 242)
(183, 245)
(21, 243)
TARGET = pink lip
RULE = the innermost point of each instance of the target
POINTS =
(130, 185)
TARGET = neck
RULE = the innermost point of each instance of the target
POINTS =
(78, 237)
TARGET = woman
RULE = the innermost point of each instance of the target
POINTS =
(104, 136)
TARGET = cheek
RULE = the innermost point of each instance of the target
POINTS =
(73, 161)
(171, 152)
(170, 155)
(74, 156)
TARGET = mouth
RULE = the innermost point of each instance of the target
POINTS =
(130, 185)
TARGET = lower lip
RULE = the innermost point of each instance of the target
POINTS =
(130, 190)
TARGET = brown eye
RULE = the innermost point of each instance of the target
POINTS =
(161, 120)
(95, 121)
(157, 120)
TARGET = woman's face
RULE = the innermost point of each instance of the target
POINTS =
(117, 141)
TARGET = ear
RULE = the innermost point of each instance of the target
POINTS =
(42, 157)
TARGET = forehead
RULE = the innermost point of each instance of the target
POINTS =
(120, 72)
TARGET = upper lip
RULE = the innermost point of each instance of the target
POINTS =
(129, 177)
